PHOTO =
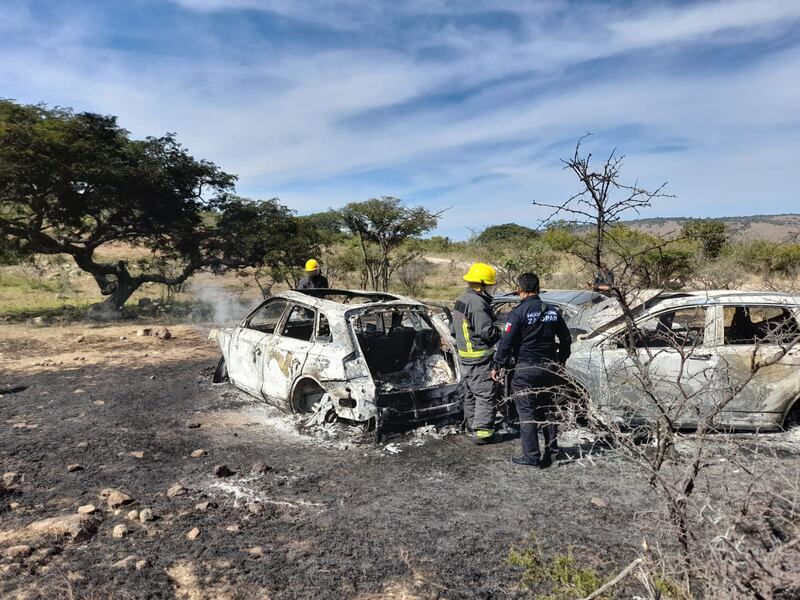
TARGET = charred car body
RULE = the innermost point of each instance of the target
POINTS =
(368, 358)
(696, 348)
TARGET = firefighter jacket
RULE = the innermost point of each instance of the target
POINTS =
(313, 282)
(474, 327)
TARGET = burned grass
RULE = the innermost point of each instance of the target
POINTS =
(420, 516)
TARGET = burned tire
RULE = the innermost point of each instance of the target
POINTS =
(792, 420)
(221, 372)
(369, 432)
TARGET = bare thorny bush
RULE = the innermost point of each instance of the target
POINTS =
(728, 522)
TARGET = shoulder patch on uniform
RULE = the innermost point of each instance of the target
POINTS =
(508, 327)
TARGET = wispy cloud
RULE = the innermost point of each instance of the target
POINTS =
(446, 103)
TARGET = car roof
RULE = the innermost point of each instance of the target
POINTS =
(723, 297)
(573, 297)
(323, 299)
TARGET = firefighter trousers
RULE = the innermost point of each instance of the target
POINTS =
(480, 394)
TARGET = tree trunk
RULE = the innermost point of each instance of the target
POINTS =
(126, 286)
(120, 290)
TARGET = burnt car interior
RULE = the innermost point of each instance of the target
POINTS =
(403, 349)
(681, 328)
(300, 323)
(745, 325)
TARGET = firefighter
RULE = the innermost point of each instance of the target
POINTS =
(313, 279)
(476, 334)
(530, 338)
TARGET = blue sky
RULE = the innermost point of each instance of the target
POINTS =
(445, 103)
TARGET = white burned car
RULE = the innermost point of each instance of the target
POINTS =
(700, 351)
(368, 358)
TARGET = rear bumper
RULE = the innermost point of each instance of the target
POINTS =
(419, 406)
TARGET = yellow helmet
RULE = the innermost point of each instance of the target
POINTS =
(312, 266)
(481, 273)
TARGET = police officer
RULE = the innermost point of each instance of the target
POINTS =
(313, 279)
(530, 338)
(476, 334)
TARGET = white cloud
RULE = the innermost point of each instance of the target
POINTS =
(281, 118)
(669, 25)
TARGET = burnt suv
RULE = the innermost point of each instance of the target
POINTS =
(373, 359)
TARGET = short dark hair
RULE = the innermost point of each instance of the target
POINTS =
(528, 282)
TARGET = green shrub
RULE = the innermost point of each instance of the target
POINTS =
(786, 259)
(562, 578)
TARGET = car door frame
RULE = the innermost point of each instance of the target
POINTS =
(770, 394)
(622, 399)
(277, 378)
(246, 348)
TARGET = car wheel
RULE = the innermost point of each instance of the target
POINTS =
(369, 432)
(320, 413)
(221, 372)
(792, 420)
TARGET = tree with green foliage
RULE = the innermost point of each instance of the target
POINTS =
(329, 226)
(382, 226)
(711, 234)
(296, 240)
(507, 233)
(72, 183)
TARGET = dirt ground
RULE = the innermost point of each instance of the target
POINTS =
(419, 516)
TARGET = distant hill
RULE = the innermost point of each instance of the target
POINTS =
(777, 228)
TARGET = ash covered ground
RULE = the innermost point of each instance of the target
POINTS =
(422, 515)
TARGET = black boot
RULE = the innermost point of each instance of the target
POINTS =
(521, 460)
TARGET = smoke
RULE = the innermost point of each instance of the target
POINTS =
(223, 306)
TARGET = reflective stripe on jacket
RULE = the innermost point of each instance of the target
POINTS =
(473, 326)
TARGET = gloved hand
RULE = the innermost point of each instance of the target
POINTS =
(498, 375)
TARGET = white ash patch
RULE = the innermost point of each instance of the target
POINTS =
(392, 448)
(248, 412)
(244, 492)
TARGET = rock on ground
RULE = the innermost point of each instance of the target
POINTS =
(119, 531)
(222, 471)
(75, 527)
(176, 490)
(146, 515)
(126, 563)
(18, 551)
(115, 498)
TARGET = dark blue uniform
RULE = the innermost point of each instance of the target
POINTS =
(530, 340)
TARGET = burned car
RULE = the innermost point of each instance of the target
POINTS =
(583, 310)
(373, 359)
(699, 351)
(695, 348)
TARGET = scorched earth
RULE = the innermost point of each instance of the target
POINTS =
(200, 491)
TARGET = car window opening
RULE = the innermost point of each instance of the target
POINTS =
(300, 324)
(403, 350)
(267, 317)
(750, 325)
